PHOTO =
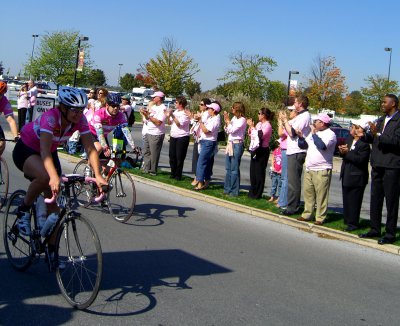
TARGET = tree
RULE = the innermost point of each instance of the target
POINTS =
(56, 58)
(128, 81)
(249, 74)
(192, 87)
(377, 87)
(354, 104)
(96, 77)
(1, 68)
(276, 91)
(326, 84)
(171, 68)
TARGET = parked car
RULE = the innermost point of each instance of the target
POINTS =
(335, 124)
(341, 135)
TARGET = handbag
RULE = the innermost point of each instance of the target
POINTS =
(221, 136)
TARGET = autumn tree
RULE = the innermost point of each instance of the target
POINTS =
(248, 74)
(55, 58)
(354, 104)
(171, 69)
(376, 89)
(326, 85)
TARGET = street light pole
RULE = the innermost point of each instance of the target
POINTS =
(119, 73)
(81, 38)
(288, 86)
(390, 60)
(33, 49)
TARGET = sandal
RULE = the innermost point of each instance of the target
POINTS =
(194, 183)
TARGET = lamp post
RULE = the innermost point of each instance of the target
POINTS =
(81, 38)
(119, 73)
(291, 72)
(390, 60)
(33, 49)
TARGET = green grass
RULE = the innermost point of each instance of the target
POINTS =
(334, 220)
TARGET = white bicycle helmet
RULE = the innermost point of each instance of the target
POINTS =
(72, 97)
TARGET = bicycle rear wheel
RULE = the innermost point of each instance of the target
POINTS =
(17, 246)
(83, 192)
(4, 178)
(79, 253)
(121, 197)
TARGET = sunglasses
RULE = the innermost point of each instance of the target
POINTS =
(100, 93)
(76, 110)
(202, 104)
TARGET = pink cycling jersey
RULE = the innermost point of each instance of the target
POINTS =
(102, 119)
(50, 122)
(5, 106)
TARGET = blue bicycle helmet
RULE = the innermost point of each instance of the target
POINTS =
(113, 99)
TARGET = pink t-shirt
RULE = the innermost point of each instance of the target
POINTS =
(316, 159)
(212, 124)
(103, 119)
(157, 112)
(283, 143)
(5, 107)
(184, 121)
(277, 166)
(266, 129)
(236, 129)
(302, 122)
(50, 122)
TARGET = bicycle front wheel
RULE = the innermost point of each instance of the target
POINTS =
(78, 261)
(17, 246)
(84, 192)
(121, 197)
(3, 181)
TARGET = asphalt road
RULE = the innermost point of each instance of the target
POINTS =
(181, 261)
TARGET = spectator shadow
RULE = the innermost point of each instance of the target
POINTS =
(155, 214)
(130, 286)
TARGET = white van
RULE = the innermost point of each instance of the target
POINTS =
(139, 93)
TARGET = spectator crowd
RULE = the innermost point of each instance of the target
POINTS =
(302, 154)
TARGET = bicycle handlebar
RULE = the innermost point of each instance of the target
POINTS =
(88, 180)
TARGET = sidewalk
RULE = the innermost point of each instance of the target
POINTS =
(321, 231)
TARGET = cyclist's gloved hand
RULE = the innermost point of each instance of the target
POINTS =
(16, 139)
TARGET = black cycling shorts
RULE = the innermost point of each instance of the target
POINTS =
(21, 153)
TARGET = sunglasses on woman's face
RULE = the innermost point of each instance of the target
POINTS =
(202, 104)
(76, 110)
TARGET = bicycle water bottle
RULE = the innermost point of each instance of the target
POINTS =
(49, 225)
(41, 211)
(87, 172)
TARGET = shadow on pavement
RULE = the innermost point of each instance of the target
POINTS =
(131, 281)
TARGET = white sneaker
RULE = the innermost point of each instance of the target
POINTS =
(24, 223)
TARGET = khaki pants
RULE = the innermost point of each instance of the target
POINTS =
(316, 193)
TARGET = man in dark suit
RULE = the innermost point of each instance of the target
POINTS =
(385, 174)
(354, 173)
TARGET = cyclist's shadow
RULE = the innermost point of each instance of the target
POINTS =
(141, 276)
(155, 214)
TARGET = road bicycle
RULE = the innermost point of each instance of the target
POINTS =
(121, 197)
(77, 259)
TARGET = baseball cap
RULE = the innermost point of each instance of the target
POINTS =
(324, 118)
(362, 122)
(158, 94)
(214, 106)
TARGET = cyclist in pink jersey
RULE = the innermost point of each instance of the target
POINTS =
(35, 153)
(106, 120)
(6, 109)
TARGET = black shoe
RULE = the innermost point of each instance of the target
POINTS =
(178, 178)
(287, 213)
(385, 240)
(370, 234)
(351, 228)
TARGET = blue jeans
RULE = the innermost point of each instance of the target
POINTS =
(282, 202)
(204, 167)
(275, 184)
(232, 167)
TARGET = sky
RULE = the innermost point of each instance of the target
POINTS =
(293, 33)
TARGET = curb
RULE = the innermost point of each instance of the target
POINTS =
(319, 230)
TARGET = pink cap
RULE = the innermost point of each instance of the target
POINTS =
(158, 94)
(324, 118)
(214, 106)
